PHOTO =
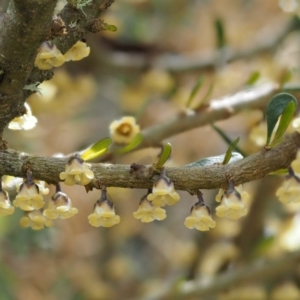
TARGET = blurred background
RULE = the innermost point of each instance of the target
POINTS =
(147, 69)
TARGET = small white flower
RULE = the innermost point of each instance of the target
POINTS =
(289, 191)
(5, 205)
(77, 52)
(163, 192)
(200, 218)
(60, 206)
(48, 57)
(29, 197)
(148, 213)
(35, 220)
(232, 203)
(25, 122)
(104, 213)
(76, 172)
(124, 130)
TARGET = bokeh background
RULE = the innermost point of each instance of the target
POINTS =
(73, 260)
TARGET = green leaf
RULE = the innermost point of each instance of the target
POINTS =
(212, 160)
(226, 138)
(254, 76)
(131, 146)
(96, 149)
(206, 97)
(283, 104)
(279, 172)
(165, 154)
(220, 33)
(110, 27)
(229, 151)
(195, 90)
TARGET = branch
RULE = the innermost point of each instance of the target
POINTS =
(257, 271)
(250, 168)
(218, 109)
(23, 28)
(266, 40)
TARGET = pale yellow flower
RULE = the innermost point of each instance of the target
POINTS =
(258, 134)
(77, 52)
(48, 57)
(163, 192)
(200, 218)
(5, 205)
(28, 197)
(104, 214)
(76, 172)
(232, 204)
(148, 213)
(289, 191)
(60, 206)
(124, 130)
(25, 122)
(36, 220)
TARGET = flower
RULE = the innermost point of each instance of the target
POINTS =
(25, 122)
(60, 206)
(104, 214)
(29, 197)
(42, 189)
(124, 130)
(48, 57)
(163, 192)
(200, 218)
(5, 205)
(289, 191)
(35, 220)
(258, 134)
(77, 52)
(148, 213)
(76, 172)
(232, 203)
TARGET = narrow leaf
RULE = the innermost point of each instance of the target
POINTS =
(220, 33)
(226, 138)
(254, 76)
(229, 151)
(212, 160)
(131, 146)
(110, 27)
(206, 97)
(284, 122)
(195, 90)
(283, 104)
(165, 154)
(96, 149)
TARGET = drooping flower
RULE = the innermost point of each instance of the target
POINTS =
(289, 191)
(124, 130)
(200, 216)
(76, 172)
(60, 206)
(25, 122)
(29, 197)
(148, 212)
(5, 205)
(163, 192)
(48, 57)
(104, 213)
(35, 219)
(232, 203)
(77, 52)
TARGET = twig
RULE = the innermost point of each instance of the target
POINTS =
(250, 168)
(179, 63)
